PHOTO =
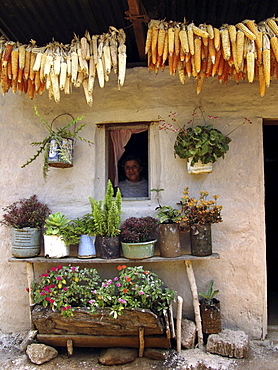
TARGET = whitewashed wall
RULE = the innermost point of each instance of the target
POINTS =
(240, 274)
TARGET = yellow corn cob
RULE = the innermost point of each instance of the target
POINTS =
(266, 59)
(261, 80)
(253, 28)
(149, 38)
(216, 39)
(240, 48)
(200, 81)
(250, 59)
(259, 43)
(154, 40)
(165, 49)
(37, 81)
(161, 39)
(273, 25)
(234, 54)
(232, 33)
(177, 40)
(225, 43)
(199, 31)
(184, 41)
(246, 31)
(21, 56)
(171, 40)
(197, 53)
(14, 60)
(212, 51)
(181, 72)
(274, 46)
(190, 38)
(210, 31)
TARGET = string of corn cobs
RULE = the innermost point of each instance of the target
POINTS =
(243, 51)
(56, 67)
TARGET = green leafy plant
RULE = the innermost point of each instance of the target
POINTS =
(27, 212)
(55, 223)
(200, 142)
(64, 287)
(166, 214)
(107, 214)
(199, 211)
(137, 229)
(58, 135)
(209, 296)
(72, 232)
(134, 287)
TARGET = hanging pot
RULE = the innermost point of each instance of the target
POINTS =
(109, 246)
(26, 242)
(86, 247)
(169, 240)
(58, 158)
(200, 235)
(198, 167)
(138, 250)
(55, 247)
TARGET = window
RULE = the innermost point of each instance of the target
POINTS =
(128, 148)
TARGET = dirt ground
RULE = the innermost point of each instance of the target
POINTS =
(262, 356)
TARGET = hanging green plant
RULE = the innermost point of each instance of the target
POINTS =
(57, 136)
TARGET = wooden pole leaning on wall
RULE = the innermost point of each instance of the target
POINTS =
(179, 317)
(196, 305)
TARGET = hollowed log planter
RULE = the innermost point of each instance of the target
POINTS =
(134, 328)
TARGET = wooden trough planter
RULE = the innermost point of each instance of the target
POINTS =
(134, 328)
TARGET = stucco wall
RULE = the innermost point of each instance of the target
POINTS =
(240, 273)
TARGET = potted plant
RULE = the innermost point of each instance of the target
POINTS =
(107, 217)
(210, 311)
(201, 144)
(196, 216)
(54, 244)
(168, 229)
(26, 217)
(136, 237)
(81, 231)
(57, 146)
(75, 301)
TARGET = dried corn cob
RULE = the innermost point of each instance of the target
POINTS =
(217, 41)
(177, 40)
(241, 26)
(190, 38)
(184, 41)
(266, 59)
(165, 49)
(161, 39)
(250, 61)
(232, 33)
(210, 31)
(197, 54)
(63, 75)
(240, 47)
(21, 56)
(14, 63)
(149, 37)
(171, 40)
(271, 22)
(225, 43)
(261, 80)
(199, 31)
(37, 63)
(27, 64)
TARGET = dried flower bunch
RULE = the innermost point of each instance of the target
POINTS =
(63, 288)
(137, 229)
(27, 212)
(199, 211)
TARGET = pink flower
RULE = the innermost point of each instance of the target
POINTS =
(73, 268)
(141, 292)
(59, 267)
(53, 268)
(121, 300)
(44, 275)
(59, 278)
(43, 293)
(65, 288)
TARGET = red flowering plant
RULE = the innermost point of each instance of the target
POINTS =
(134, 287)
(63, 288)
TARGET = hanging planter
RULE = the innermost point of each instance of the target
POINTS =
(58, 144)
(198, 167)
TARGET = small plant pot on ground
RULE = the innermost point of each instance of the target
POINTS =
(211, 316)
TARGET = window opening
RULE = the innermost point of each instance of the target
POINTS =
(129, 143)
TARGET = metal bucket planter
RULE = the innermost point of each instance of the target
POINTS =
(138, 250)
(211, 316)
(86, 247)
(55, 247)
(199, 167)
(169, 240)
(200, 236)
(26, 242)
(62, 158)
(109, 246)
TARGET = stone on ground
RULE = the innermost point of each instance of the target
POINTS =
(159, 354)
(117, 356)
(188, 333)
(41, 353)
(229, 343)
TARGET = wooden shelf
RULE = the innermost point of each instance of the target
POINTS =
(75, 260)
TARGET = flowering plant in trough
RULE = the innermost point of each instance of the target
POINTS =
(199, 211)
(65, 288)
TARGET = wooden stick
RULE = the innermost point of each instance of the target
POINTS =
(30, 277)
(70, 347)
(141, 342)
(196, 305)
(171, 319)
(179, 317)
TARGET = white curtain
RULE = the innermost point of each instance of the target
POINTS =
(119, 139)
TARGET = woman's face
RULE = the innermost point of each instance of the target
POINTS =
(132, 170)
